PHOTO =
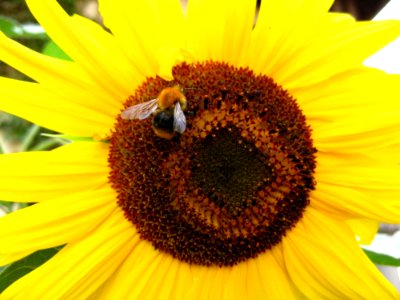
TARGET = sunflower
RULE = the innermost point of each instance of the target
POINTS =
(285, 160)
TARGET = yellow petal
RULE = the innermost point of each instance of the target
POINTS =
(364, 229)
(364, 174)
(56, 222)
(40, 176)
(218, 31)
(193, 282)
(81, 266)
(143, 28)
(354, 84)
(282, 29)
(146, 266)
(371, 141)
(268, 278)
(337, 108)
(339, 48)
(325, 261)
(90, 46)
(49, 109)
(355, 202)
(47, 70)
(388, 154)
(162, 282)
(357, 186)
(156, 275)
(138, 267)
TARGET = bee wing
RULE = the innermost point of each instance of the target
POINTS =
(140, 111)
(179, 119)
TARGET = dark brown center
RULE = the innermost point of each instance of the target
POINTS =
(236, 180)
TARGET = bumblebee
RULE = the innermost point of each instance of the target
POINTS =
(167, 110)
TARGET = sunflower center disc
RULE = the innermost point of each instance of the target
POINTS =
(236, 180)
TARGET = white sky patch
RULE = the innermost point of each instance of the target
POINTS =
(388, 59)
(386, 244)
(32, 28)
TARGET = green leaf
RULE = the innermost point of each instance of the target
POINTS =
(52, 49)
(14, 30)
(22, 267)
(382, 259)
(9, 27)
